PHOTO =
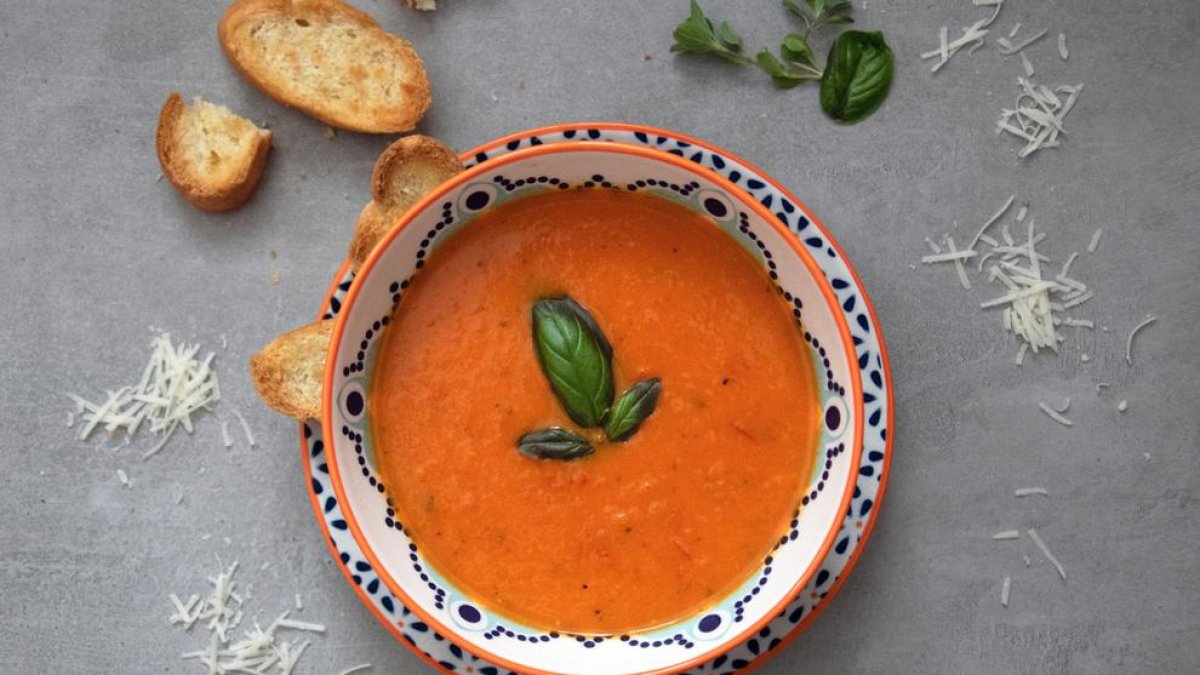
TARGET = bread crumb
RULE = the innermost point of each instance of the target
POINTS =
(520, 85)
(648, 56)
(274, 254)
(330, 133)
(160, 177)
(276, 277)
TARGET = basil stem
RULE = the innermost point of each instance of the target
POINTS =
(632, 408)
(576, 358)
(554, 443)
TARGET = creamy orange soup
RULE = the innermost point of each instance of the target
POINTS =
(640, 533)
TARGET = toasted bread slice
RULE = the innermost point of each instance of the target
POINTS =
(212, 156)
(408, 170)
(328, 59)
(290, 371)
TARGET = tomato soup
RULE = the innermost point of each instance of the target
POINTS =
(640, 533)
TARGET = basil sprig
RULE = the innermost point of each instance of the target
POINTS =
(576, 359)
(856, 77)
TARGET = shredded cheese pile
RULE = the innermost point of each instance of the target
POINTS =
(221, 612)
(1037, 118)
(1035, 298)
(175, 385)
(972, 36)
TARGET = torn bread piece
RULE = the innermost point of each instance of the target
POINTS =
(213, 157)
(408, 170)
(329, 60)
(289, 372)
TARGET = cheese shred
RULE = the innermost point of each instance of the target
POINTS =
(1129, 340)
(1030, 491)
(1037, 541)
(1055, 415)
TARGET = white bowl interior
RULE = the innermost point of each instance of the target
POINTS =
(399, 562)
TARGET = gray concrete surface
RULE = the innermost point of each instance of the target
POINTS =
(95, 250)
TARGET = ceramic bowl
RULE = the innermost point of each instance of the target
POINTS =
(398, 562)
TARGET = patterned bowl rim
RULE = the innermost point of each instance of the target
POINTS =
(748, 202)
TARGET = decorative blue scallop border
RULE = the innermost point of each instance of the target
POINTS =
(871, 470)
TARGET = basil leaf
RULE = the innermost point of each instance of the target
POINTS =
(797, 9)
(554, 443)
(795, 48)
(576, 358)
(781, 75)
(696, 35)
(632, 408)
(857, 76)
(729, 38)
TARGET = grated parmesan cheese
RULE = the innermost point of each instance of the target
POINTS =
(1123, 406)
(299, 602)
(958, 266)
(1129, 340)
(1038, 115)
(1030, 491)
(258, 650)
(174, 386)
(225, 437)
(1004, 589)
(1062, 46)
(1015, 29)
(356, 669)
(123, 477)
(1055, 415)
(948, 257)
(1026, 65)
(177, 493)
(1094, 244)
(1037, 541)
(1008, 49)
(1005, 535)
(972, 36)
(245, 427)
(1028, 562)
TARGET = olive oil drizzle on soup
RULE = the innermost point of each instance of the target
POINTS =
(640, 533)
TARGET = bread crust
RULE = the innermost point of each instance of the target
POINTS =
(239, 49)
(289, 372)
(402, 176)
(208, 196)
